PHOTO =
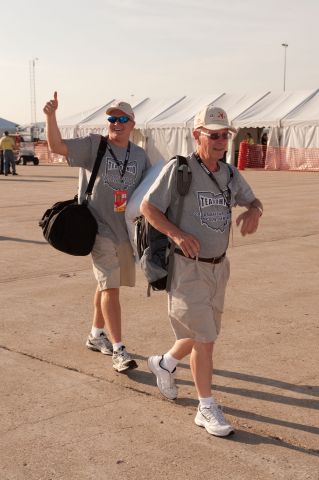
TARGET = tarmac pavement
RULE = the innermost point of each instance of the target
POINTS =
(66, 414)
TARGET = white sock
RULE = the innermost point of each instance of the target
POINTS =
(96, 332)
(169, 362)
(117, 346)
(205, 402)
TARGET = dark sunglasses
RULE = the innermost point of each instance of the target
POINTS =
(216, 136)
(121, 119)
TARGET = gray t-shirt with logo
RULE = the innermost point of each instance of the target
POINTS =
(205, 212)
(82, 153)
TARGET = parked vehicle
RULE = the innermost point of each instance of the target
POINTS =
(26, 154)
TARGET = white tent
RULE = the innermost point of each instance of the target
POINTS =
(269, 111)
(171, 132)
(147, 111)
(164, 125)
(300, 129)
(69, 126)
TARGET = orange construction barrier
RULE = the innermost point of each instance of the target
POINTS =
(278, 158)
(242, 155)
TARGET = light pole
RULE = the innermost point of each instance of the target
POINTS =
(285, 45)
(33, 92)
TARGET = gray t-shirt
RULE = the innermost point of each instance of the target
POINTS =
(205, 213)
(82, 153)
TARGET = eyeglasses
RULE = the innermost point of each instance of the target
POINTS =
(122, 119)
(216, 136)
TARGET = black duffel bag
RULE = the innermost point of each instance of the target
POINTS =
(69, 226)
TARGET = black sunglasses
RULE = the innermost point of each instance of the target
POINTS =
(216, 136)
(121, 119)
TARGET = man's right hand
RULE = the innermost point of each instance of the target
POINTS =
(189, 244)
(51, 106)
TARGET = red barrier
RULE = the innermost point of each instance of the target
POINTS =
(242, 155)
(278, 158)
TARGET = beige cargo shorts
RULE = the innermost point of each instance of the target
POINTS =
(196, 299)
(113, 264)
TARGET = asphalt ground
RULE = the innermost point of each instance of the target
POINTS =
(65, 413)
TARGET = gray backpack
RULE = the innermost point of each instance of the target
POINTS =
(155, 249)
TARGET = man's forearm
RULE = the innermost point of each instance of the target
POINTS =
(158, 220)
(56, 144)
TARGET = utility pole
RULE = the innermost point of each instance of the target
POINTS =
(285, 45)
(33, 93)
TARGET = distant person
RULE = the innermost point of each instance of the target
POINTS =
(7, 145)
(120, 172)
(249, 139)
(264, 143)
(201, 267)
(264, 138)
(1, 163)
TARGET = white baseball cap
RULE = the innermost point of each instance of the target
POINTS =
(123, 106)
(212, 118)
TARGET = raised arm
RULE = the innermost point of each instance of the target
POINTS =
(56, 144)
(186, 242)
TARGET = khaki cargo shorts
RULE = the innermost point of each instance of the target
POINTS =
(196, 299)
(113, 264)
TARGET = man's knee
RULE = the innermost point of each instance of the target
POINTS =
(201, 347)
(110, 293)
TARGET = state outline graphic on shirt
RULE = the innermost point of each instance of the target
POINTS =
(112, 177)
(213, 210)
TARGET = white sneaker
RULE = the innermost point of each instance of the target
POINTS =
(213, 420)
(122, 360)
(165, 379)
(100, 344)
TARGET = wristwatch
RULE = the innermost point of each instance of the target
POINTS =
(258, 208)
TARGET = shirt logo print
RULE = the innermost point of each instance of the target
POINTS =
(112, 174)
(213, 211)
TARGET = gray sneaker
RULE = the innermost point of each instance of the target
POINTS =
(213, 420)
(100, 344)
(122, 360)
(165, 379)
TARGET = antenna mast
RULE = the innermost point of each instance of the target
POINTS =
(32, 91)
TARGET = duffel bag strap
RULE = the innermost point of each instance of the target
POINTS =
(99, 156)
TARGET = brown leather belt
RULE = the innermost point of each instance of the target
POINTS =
(200, 259)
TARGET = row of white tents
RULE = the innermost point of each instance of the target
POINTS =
(164, 125)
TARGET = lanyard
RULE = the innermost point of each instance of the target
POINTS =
(122, 168)
(225, 194)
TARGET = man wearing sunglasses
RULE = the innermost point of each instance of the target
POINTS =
(119, 174)
(201, 267)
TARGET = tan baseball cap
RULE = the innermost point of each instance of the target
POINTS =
(123, 106)
(213, 118)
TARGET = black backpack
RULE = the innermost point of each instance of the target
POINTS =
(153, 246)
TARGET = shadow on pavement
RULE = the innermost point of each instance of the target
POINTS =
(22, 240)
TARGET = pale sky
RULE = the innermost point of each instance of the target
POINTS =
(93, 51)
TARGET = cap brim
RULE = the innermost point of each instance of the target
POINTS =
(218, 126)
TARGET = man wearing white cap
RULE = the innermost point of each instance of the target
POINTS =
(201, 267)
(119, 174)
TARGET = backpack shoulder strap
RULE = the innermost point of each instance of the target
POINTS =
(184, 178)
(184, 175)
(231, 172)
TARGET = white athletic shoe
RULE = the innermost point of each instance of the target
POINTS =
(100, 344)
(165, 379)
(123, 361)
(213, 420)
